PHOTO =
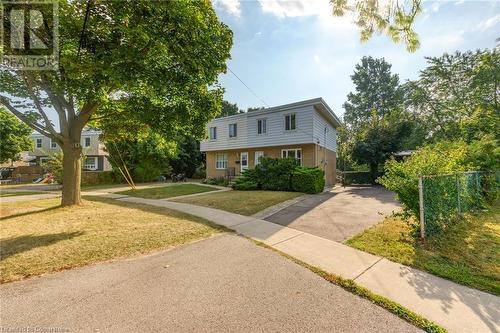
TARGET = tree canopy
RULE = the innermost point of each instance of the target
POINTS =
(137, 65)
(393, 18)
(14, 137)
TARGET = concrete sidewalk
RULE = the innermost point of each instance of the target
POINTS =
(455, 307)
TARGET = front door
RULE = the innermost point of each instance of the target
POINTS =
(243, 161)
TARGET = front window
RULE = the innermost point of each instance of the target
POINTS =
(90, 163)
(295, 153)
(261, 126)
(213, 133)
(39, 143)
(221, 161)
(258, 155)
(53, 144)
(233, 130)
(290, 123)
(44, 160)
(86, 142)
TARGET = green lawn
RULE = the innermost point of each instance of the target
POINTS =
(169, 191)
(40, 237)
(469, 252)
(241, 202)
(13, 194)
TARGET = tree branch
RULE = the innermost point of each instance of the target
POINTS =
(37, 127)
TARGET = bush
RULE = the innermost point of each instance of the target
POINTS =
(440, 158)
(147, 171)
(308, 180)
(282, 174)
(275, 174)
(200, 172)
(220, 181)
(55, 166)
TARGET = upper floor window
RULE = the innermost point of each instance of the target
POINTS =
(295, 153)
(233, 130)
(86, 142)
(39, 143)
(261, 126)
(213, 133)
(53, 144)
(290, 122)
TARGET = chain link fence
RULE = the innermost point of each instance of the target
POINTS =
(443, 198)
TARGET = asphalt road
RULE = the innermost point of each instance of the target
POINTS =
(225, 283)
(340, 214)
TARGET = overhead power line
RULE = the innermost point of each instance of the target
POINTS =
(248, 88)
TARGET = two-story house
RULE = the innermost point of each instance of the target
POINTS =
(304, 130)
(95, 156)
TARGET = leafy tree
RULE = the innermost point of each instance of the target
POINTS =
(376, 89)
(14, 137)
(377, 141)
(257, 108)
(229, 109)
(394, 18)
(456, 96)
(55, 166)
(139, 64)
(146, 157)
(188, 156)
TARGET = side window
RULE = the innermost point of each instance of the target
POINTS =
(290, 122)
(261, 126)
(53, 144)
(39, 143)
(86, 142)
(233, 130)
(213, 133)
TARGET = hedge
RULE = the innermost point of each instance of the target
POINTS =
(281, 174)
(308, 180)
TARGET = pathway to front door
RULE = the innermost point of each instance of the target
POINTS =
(340, 214)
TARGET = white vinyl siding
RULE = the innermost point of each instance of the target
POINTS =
(319, 124)
(213, 133)
(221, 161)
(295, 153)
(233, 130)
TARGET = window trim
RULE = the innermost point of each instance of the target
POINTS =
(224, 161)
(241, 160)
(96, 163)
(53, 144)
(41, 143)
(289, 116)
(43, 159)
(235, 130)
(85, 141)
(262, 121)
(214, 136)
(256, 160)
(294, 149)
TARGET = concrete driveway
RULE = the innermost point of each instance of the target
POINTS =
(225, 283)
(340, 214)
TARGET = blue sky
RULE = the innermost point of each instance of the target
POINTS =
(287, 51)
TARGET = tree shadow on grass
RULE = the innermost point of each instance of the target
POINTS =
(14, 245)
(28, 213)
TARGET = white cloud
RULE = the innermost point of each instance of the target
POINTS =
(491, 22)
(232, 7)
(294, 8)
(316, 59)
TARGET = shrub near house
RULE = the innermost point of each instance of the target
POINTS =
(282, 174)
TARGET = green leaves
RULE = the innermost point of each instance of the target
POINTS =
(14, 137)
(393, 18)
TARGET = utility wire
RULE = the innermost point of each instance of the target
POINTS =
(248, 88)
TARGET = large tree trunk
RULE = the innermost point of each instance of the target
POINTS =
(72, 175)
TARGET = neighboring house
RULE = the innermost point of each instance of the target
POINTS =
(95, 157)
(304, 130)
